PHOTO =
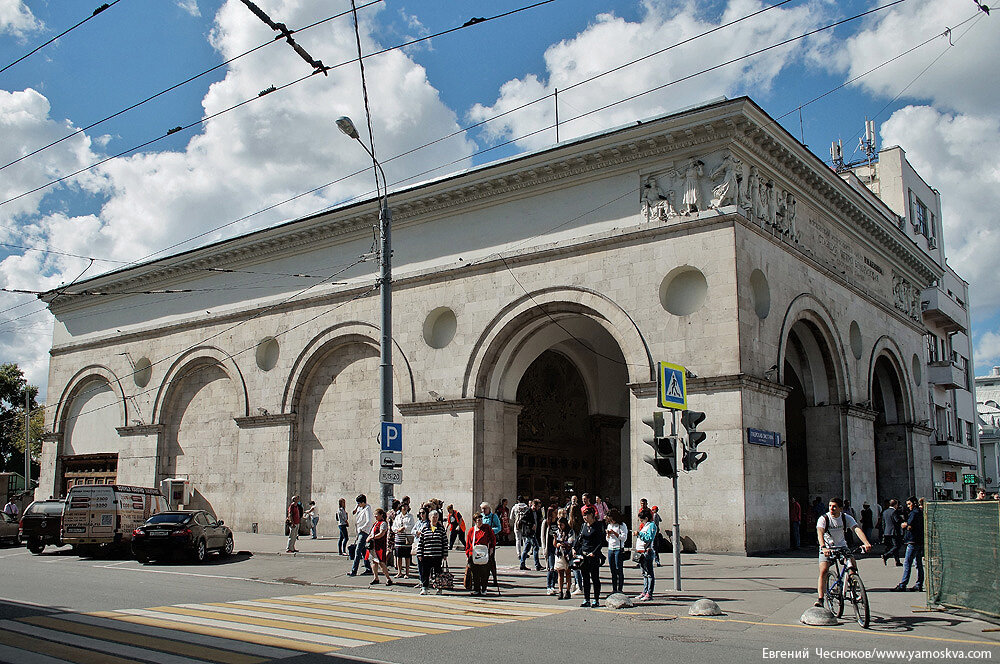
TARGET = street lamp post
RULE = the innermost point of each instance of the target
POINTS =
(385, 291)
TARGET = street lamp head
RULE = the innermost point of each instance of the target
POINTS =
(345, 125)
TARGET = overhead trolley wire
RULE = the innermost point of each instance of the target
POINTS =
(205, 119)
(106, 5)
(175, 86)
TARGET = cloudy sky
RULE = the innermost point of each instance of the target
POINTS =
(279, 156)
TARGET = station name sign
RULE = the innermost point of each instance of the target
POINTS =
(761, 437)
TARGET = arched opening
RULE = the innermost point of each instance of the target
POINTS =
(337, 421)
(891, 462)
(200, 438)
(557, 452)
(813, 428)
(89, 452)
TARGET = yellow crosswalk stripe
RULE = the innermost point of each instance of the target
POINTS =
(320, 614)
(60, 650)
(163, 645)
(347, 637)
(208, 630)
(316, 623)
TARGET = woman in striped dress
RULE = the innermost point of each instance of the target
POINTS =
(432, 548)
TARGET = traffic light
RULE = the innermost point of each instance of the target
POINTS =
(664, 460)
(690, 419)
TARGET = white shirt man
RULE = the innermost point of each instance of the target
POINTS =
(830, 533)
(11, 508)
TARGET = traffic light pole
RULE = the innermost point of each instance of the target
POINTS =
(677, 513)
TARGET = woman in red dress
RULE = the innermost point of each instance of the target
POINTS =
(504, 513)
(377, 543)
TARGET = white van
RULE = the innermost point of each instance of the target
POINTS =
(107, 513)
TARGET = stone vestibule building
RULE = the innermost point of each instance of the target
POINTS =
(532, 300)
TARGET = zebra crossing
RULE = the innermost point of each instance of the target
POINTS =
(250, 631)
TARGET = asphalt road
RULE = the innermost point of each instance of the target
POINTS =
(250, 609)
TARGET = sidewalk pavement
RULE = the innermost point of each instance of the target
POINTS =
(775, 588)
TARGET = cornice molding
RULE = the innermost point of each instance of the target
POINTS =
(439, 407)
(261, 421)
(140, 430)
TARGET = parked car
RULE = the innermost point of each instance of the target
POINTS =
(9, 530)
(41, 524)
(105, 515)
(190, 533)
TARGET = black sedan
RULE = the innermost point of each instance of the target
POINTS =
(189, 533)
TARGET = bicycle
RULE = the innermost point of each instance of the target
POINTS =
(846, 584)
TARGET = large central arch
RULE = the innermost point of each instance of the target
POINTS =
(812, 367)
(589, 350)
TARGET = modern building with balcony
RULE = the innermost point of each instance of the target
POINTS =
(988, 405)
(944, 309)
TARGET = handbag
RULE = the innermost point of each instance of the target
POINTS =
(480, 552)
(637, 556)
(443, 580)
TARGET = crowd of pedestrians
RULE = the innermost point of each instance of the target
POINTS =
(570, 543)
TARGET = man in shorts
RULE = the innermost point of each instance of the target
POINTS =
(830, 533)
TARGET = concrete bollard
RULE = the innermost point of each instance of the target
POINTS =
(705, 607)
(818, 615)
(618, 601)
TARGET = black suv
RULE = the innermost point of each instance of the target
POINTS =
(191, 533)
(41, 524)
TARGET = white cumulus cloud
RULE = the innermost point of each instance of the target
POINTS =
(611, 41)
(16, 18)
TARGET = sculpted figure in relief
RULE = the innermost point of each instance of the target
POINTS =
(656, 204)
(691, 202)
(727, 191)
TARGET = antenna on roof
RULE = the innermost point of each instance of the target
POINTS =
(867, 144)
(837, 155)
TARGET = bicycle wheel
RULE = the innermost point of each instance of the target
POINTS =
(835, 596)
(859, 598)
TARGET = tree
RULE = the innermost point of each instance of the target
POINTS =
(12, 388)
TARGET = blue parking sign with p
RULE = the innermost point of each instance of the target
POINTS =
(392, 437)
(672, 384)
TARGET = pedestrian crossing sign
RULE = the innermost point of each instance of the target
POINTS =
(672, 384)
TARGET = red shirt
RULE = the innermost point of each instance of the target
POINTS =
(295, 513)
(795, 512)
(480, 535)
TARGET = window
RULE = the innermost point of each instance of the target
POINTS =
(919, 216)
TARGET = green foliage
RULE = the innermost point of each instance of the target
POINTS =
(12, 389)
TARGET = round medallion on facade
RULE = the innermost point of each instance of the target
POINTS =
(267, 353)
(760, 290)
(916, 369)
(439, 327)
(143, 372)
(683, 290)
(856, 347)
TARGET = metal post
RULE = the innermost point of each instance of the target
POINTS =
(27, 439)
(385, 345)
(677, 513)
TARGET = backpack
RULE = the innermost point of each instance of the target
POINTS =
(849, 536)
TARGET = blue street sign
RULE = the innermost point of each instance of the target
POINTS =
(761, 437)
(392, 437)
(672, 383)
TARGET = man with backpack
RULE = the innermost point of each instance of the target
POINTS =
(517, 512)
(831, 532)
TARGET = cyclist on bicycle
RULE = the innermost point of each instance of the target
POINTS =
(830, 533)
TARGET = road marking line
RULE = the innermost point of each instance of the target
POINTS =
(205, 576)
(315, 638)
(230, 644)
(339, 637)
(503, 607)
(291, 609)
(305, 619)
(415, 609)
(228, 633)
(452, 625)
(98, 646)
(152, 642)
(55, 649)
